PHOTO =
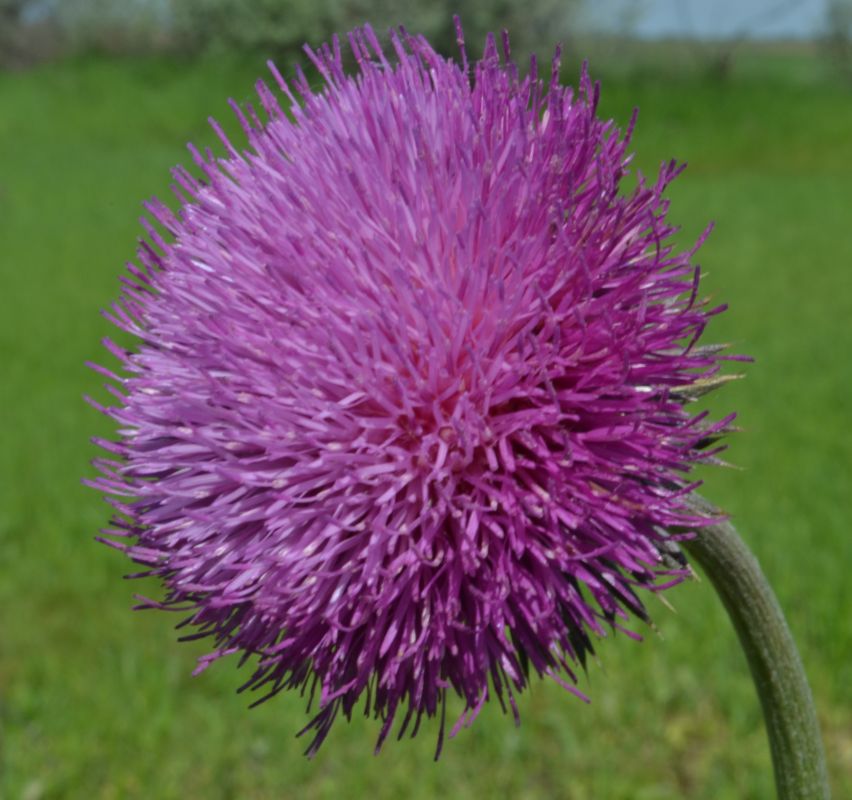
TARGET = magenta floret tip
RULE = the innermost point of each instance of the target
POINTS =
(408, 413)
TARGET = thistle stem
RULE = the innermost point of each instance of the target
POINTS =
(798, 756)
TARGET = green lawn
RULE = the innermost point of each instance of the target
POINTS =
(98, 702)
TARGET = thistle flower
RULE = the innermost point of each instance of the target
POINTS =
(407, 414)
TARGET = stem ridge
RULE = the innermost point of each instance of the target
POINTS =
(798, 756)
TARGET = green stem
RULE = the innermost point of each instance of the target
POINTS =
(788, 708)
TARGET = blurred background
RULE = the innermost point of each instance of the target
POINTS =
(98, 99)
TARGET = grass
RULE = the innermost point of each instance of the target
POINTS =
(98, 702)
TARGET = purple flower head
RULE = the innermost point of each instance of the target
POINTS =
(407, 414)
